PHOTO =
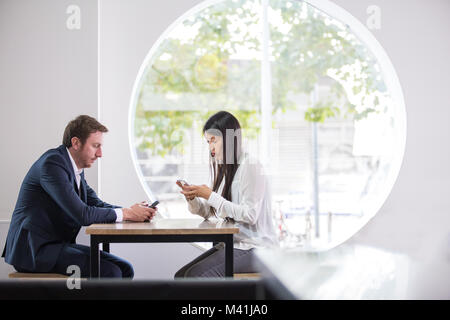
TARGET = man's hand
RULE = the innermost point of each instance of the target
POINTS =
(139, 213)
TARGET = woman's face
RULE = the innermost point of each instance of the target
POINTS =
(215, 146)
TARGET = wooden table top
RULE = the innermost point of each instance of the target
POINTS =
(164, 226)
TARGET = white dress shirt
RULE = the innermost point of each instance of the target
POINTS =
(250, 206)
(78, 173)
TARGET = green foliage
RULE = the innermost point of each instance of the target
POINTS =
(321, 113)
(193, 76)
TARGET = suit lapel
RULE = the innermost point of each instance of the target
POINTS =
(69, 166)
(82, 192)
(63, 150)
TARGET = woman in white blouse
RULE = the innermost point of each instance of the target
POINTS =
(240, 191)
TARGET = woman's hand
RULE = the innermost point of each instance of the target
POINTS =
(185, 190)
(191, 192)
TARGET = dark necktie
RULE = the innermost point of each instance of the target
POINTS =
(76, 187)
(81, 191)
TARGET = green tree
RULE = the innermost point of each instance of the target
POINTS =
(193, 75)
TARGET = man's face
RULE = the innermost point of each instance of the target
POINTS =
(85, 155)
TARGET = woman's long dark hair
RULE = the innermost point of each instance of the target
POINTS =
(226, 125)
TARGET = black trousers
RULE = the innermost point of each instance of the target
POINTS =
(212, 263)
(111, 266)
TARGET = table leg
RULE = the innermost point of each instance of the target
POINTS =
(229, 256)
(95, 258)
(106, 246)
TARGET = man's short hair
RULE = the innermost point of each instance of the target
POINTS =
(81, 127)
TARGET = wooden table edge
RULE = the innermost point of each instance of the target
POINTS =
(94, 231)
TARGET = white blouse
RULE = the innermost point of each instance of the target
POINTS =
(250, 206)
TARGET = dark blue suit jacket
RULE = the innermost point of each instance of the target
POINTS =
(49, 212)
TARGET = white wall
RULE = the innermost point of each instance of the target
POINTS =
(415, 218)
(48, 76)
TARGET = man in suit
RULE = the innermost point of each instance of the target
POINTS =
(55, 201)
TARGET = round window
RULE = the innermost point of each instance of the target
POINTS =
(319, 103)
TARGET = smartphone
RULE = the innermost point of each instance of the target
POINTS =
(154, 204)
(182, 182)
